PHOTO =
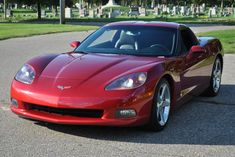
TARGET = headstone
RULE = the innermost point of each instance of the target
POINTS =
(210, 13)
(82, 12)
(174, 10)
(183, 10)
(9, 13)
(134, 11)
(230, 10)
(164, 8)
(43, 13)
(198, 10)
(157, 11)
(68, 12)
(92, 13)
(213, 11)
(142, 11)
(168, 10)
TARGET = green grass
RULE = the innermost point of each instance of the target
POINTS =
(227, 37)
(12, 30)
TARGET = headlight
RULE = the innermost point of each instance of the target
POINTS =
(128, 82)
(26, 74)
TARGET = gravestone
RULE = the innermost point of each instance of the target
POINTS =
(157, 11)
(92, 13)
(213, 12)
(68, 13)
(183, 10)
(174, 10)
(210, 13)
(134, 11)
(43, 13)
(142, 11)
(168, 10)
(9, 13)
(83, 12)
(198, 10)
(164, 8)
(230, 10)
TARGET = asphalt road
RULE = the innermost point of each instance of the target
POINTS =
(202, 127)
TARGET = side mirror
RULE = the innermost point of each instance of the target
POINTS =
(196, 51)
(75, 44)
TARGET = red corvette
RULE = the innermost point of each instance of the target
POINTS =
(124, 74)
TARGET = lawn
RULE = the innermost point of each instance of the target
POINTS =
(227, 37)
(12, 30)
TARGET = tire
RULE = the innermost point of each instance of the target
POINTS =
(215, 81)
(161, 106)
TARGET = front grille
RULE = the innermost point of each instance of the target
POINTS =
(89, 113)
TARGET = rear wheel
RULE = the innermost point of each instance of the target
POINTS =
(161, 106)
(215, 82)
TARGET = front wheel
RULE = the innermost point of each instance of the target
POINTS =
(161, 106)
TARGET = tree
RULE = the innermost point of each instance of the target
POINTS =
(5, 9)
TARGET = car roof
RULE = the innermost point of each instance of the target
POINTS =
(144, 23)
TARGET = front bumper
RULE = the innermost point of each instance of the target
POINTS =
(139, 100)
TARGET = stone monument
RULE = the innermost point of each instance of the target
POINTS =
(68, 13)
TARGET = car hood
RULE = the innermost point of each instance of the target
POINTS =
(85, 66)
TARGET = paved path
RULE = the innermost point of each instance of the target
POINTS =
(207, 28)
(203, 127)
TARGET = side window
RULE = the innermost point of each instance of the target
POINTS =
(188, 40)
(105, 37)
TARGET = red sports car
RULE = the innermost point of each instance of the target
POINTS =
(123, 74)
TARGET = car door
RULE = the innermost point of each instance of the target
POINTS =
(191, 75)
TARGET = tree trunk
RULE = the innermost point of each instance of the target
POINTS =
(62, 11)
(39, 9)
(222, 5)
(5, 9)
(56, 10)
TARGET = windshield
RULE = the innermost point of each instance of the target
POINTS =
(131, 40)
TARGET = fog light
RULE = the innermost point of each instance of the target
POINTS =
(14, 102)
(126, 113)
